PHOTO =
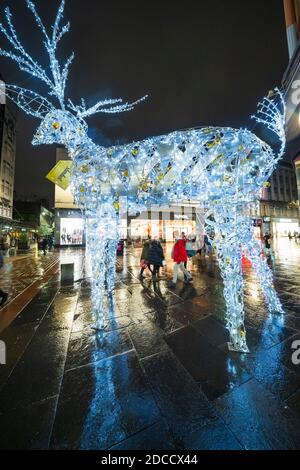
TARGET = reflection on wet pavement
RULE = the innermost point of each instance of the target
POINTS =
(160, 376)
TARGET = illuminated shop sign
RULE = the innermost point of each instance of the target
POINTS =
(71, 231)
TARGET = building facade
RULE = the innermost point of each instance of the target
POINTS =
(278, 211)
(8, 119)
(69, 222)
(279, 205)
(34, 214)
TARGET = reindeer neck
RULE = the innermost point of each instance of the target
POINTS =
(83, 148)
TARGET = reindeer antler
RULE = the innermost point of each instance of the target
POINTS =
(100, 107)
(31, 102)
(271, 113)
(56, 81)
(26, 63)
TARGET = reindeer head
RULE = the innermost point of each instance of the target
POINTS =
(60, 127)
(63, 123)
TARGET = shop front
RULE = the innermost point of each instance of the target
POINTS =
(16, 236)
(282, 227)
(69, 228)
(164, 230)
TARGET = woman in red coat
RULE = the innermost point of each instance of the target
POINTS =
(179, 255)
(179, 252)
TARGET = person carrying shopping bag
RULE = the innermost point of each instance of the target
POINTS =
(145, 258)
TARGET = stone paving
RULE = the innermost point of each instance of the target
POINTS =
(20, 272)
(161, 376)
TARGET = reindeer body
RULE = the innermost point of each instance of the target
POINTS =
(223, 168)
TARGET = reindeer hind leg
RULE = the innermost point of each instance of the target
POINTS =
(265, 277)
(229, 258)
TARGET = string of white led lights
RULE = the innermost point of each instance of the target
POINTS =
(223, 168)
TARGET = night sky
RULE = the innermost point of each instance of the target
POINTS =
(202, 63)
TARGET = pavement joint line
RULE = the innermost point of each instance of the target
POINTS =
(134, 434)
(28, 405)
(154, 354)
(210, 404)
(148, 381)
(123, 353)
(175, 331)
(63, 373)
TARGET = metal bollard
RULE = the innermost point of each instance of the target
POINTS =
(67, 273)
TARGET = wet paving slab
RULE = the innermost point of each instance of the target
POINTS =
(20, 272)
(164, 320)
(35, 311)
(213, 436)
(102, 404)
(294, 402)
(155, 437)
(267, 368)
(288, 353)
(258, 418)
(147, 339)
(160, 375)
(185, 408)
(42, 349)
(60, 314)
(38, 373)
(89, 347)
(267, 337)
(28, 428)
(214, 331)
(212, 370)
(16, 339)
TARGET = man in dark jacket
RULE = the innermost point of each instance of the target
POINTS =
(145, 258)
(155, 257)
(44, 245)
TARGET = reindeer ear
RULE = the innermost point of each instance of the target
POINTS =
(31, 102)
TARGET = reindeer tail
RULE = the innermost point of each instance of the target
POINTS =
(271, 113)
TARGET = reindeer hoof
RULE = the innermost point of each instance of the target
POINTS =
(233, 348)
(99, 326)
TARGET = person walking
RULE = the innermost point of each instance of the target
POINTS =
(207, 243)
(190, 246)
(50, 242)
(3, 295)
(267, 242)
(155, 257)
(200, 244)
(179, 255)
(6, 241)
(145, 259)
(44, 245)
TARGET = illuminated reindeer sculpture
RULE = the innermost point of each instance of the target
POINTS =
(223, 168)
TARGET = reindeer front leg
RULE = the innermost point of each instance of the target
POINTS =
(102, 236)
(96, 243)
(230, 262)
